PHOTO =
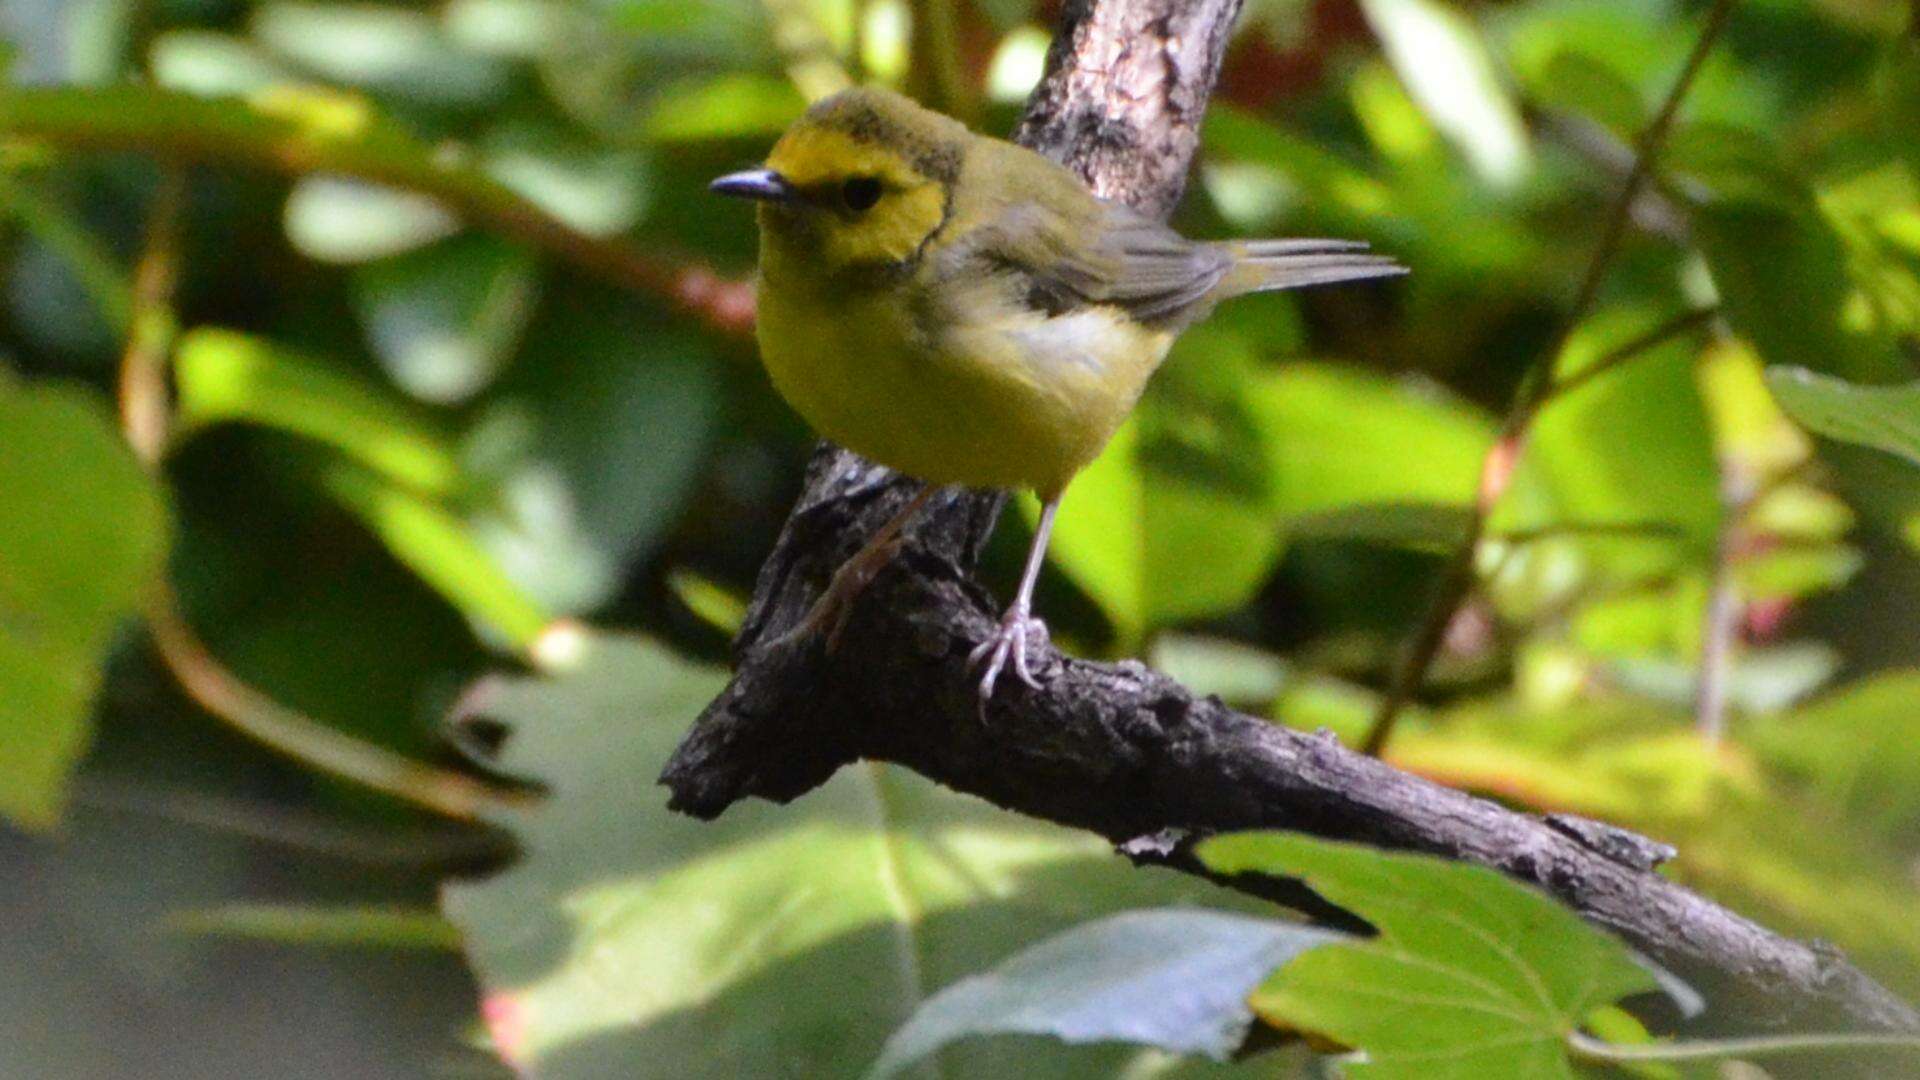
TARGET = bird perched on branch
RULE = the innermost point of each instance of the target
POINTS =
(966, 311)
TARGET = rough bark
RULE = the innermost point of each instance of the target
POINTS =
(1116, 748)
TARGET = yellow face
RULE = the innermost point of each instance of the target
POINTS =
(858, 185)
(856, 203)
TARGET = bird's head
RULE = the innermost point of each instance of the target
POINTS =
(860, 182)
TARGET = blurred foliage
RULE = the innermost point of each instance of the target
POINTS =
(463, 360)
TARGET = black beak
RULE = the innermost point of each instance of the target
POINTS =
(763, 184)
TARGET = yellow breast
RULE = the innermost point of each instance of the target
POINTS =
(1014, 399)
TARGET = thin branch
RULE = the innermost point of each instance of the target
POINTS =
(152, 326)
(305, 739)
(179, 128)
(1536, 389)
(1597, 1050)
(144, 418)
(288, 828)
(1684, 323)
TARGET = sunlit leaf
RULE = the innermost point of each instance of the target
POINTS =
(1882, 417)
(388, 50)
(776, 940)
(1177, 980)
(1236, 672)
(512, 29)
(727, 107)
(227, 376)
(1782, 277)
(1339, 438)
(442, 549)
(590, 449)
(212, 64)
(336, 220)
(443, 321)
(1442, 58)
(83, 535)
(1472, 974)
(597, 190)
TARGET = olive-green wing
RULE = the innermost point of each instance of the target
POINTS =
(1110, 254)
(1106, 254)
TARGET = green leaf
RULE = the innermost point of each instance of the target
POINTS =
(1443, 59)
(1586, 84)
(511, 29)
(1854, 747)
(783, 940)
(1423, 526)
(227, 376)
(1174, 979)
(442, 550)
(1472, 974)
(387, 50)
(1781, 272)
(445, 320)
(1338, 438)
(315, 925)
(599, 190)
(739, 105)
(336, 220)
(83, 535)
(1631, 445)
(1164, 526)
(591, 448)
(211, 64)
(1882, 417)
(1234, 671)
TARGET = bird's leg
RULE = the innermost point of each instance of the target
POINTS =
(828, 615)
(1009, 641)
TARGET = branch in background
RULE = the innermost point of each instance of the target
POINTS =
(1537, 387)
(151, 326)
(291, 829)
(182, 128)
(1456, 579)
(145, 420)
(1118, 749)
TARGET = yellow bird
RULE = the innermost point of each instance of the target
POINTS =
(966, 311)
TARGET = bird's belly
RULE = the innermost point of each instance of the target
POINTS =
(1020, 402)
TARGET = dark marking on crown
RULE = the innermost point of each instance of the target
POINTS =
(865, 116)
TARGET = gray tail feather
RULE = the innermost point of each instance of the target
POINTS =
(1265, 265)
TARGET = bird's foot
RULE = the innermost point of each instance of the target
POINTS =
(1007, 645)
(827, 618)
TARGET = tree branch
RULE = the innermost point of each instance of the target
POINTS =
(1116, 748)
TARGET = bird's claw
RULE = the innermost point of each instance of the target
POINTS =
(1007, 646)
(827, 619)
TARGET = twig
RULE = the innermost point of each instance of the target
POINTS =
(152, 327)
(180, 128)
(1681, 324)
(287, 828)
(144, 418)
(305, 739)
(1592, 1049)
(1536, 387)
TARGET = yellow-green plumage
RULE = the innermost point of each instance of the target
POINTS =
(988, 321)
(966, 311)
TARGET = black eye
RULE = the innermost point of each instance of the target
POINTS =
(860, 193)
